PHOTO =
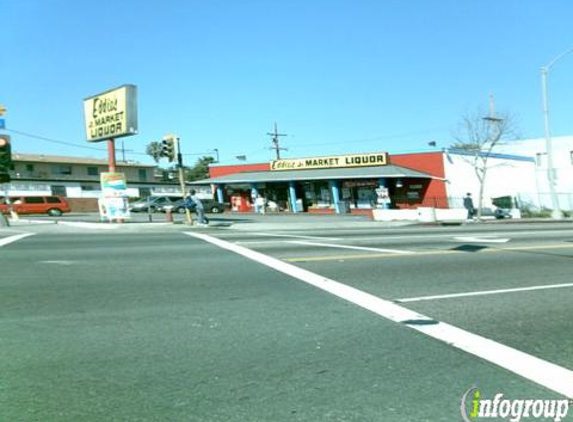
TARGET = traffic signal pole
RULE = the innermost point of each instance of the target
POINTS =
(182, 182)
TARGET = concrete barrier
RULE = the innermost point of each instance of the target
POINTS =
(422, 214)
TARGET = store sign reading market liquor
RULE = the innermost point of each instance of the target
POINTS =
(335, 161)
(111, 114)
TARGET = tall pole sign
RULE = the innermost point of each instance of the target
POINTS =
(110, 115)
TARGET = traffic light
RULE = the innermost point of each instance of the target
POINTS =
(5, 158)
(168, 147)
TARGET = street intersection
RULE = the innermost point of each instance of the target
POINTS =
(345, 323)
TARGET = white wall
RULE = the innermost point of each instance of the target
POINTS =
(562, 163)
(505, 177)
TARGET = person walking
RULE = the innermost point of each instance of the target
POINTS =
(469, 205)
(199, 209)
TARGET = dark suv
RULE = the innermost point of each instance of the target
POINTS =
(210, 205)
(155, 203)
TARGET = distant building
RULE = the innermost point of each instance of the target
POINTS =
(322, 185)
(562, 164)
(78, 179)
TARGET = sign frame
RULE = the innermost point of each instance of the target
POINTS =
(111, 114)
(374, 159)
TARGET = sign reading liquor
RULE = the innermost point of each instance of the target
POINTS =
(111, 114)
(335, 161)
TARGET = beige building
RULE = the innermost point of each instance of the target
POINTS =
(78, 179)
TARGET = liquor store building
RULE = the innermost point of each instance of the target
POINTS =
(356, 183)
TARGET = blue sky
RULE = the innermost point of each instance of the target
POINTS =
(338, 76)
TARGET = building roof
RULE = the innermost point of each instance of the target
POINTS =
(60, 159)
(388, 171)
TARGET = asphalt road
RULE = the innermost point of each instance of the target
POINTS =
(153, 324)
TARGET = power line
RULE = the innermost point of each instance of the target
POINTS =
(374, 139)
(76, 145)
(55, 141)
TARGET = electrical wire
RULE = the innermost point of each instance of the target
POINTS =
(76, 145)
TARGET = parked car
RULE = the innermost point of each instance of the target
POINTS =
(51, 205)
(498, 213)
(210, 205)
(155, 203)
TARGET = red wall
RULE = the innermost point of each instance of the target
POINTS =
(219, 171)
(432, 163)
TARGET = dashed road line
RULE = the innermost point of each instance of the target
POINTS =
(485, 293)
(295, 236)
(11, 239)
(423, 253)
(481, 239)
(544, 373)
(360, 248)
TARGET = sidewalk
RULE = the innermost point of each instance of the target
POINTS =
(258, 222)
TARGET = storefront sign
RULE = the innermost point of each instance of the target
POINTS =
(359, 183)
(111, 114)
(113, 185)
(383, 195)
(337, 161)
(114, 208)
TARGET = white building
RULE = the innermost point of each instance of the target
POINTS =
(562, 164)
(508, 175)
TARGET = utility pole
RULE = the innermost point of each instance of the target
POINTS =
(492, 117)
(275, 141)
(123, 150)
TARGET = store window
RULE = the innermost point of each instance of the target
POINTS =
(142, 173)
(59, 191)
(62, 170)
(89, 187)
(317, 195)
(93, 171)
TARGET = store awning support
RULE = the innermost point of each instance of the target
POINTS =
(292, 196)
(335, 192)
(220, 193)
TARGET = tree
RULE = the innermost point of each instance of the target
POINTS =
(200, 170)
(153, 149)
(479, 135)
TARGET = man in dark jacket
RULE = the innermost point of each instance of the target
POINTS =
(469, 205)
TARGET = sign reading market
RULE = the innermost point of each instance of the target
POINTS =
(111, 114)
(335, 161)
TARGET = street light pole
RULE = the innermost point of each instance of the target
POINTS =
(556, 213)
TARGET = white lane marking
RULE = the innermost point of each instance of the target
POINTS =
(57, 262)
(485, 292)
(481, 239)
(100, 226)
(360, 248)
(7, 240)
(261, 242)
(544, 373)
(295, 236)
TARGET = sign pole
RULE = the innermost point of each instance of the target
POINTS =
(111, 155)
